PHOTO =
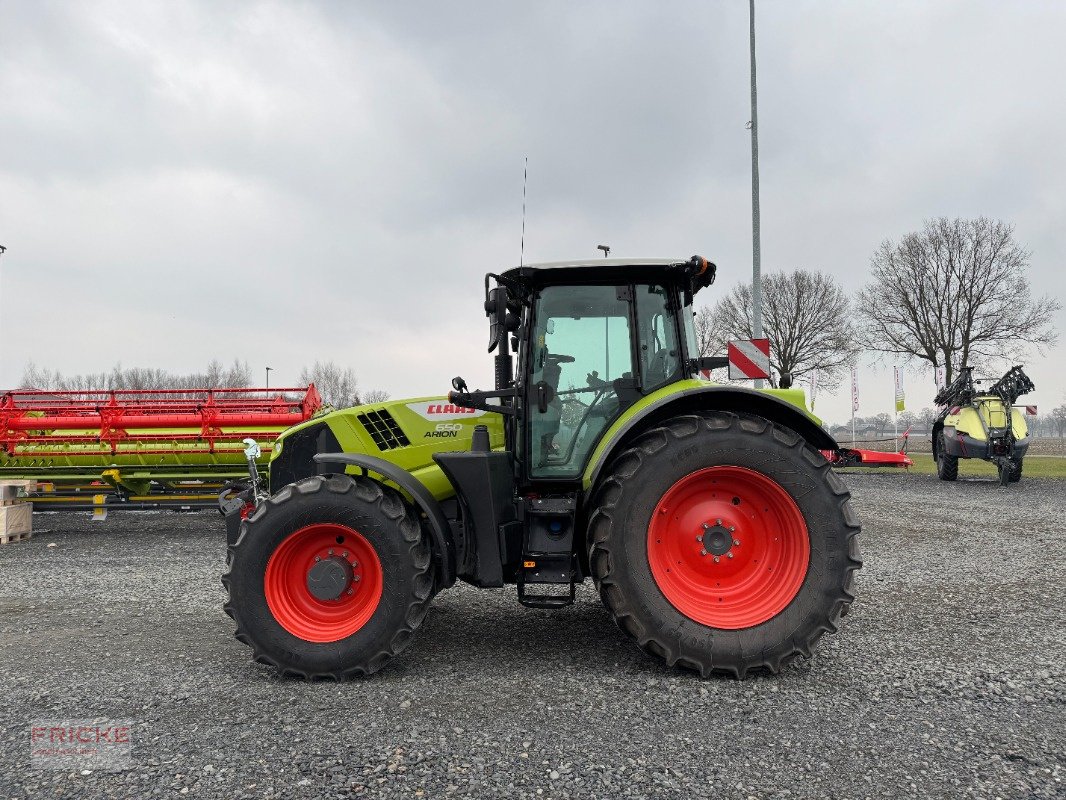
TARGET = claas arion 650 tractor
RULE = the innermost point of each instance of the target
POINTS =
(715, 531)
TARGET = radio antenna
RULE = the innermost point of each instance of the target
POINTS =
(525, 180)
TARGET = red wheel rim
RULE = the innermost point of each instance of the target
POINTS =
(728, 547)
(290, 600)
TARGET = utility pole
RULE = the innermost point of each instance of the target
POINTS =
(756, 254)
(268, 377)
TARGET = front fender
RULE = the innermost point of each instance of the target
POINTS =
(687, 397)
(439, 530)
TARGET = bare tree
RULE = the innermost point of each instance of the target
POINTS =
(34, 377)
(806, 316)
(708, 338)
(881, 422)
(927, 416)
(1058, 419)
(374, 396)
(337, 385)
(236, 375)
(1037, 423)
(954, 294)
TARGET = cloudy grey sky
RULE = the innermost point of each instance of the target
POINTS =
(282, 182)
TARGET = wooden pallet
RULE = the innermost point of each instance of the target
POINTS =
(11, 538)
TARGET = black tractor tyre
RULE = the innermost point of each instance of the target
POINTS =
(386, 523)
(620, 541)
(1016, 472)
(947, 467)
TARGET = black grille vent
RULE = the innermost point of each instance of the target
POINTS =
(387, 435)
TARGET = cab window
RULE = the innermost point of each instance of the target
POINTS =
(660, 355)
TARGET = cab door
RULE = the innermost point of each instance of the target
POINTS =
(581, 374)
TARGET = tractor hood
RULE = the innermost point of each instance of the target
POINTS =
(403, 432)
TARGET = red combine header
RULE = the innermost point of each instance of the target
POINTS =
(147, 421)
(141, 448)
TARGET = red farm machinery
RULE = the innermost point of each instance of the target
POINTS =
(141, 448)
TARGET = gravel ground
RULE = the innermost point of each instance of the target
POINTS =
(946, 679)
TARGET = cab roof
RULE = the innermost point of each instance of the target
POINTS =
(593, 269)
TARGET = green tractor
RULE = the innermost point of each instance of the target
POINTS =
(978, 420)
(715, 531)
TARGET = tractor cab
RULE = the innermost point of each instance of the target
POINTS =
(592, 339)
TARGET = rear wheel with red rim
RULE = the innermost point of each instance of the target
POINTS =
(728, 547)
(723, 542)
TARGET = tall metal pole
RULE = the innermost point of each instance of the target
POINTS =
(268, 369)
(756, 248)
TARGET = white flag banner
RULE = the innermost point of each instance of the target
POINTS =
(900, 398)
(814, 388)
(939, 376)
(854, 389)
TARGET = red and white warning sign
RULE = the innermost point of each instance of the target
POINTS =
(749, 358)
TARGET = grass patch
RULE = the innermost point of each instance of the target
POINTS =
(1035, 467)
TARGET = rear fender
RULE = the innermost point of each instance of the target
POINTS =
(693, 397)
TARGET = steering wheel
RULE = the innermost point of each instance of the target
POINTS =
(559, 358)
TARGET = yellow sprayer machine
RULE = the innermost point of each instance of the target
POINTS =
(978, 421)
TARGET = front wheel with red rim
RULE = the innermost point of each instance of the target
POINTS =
(723, 542)
(330, 577)
(323, 582)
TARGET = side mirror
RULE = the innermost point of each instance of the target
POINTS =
(503, 314)
(701, 273)
(496, 311)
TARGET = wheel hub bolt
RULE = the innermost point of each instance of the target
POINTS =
(703, 552)
(728, 555)
(716, 559)
(699, 538)
(736, 543)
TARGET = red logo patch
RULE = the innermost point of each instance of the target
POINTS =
(449, 409)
